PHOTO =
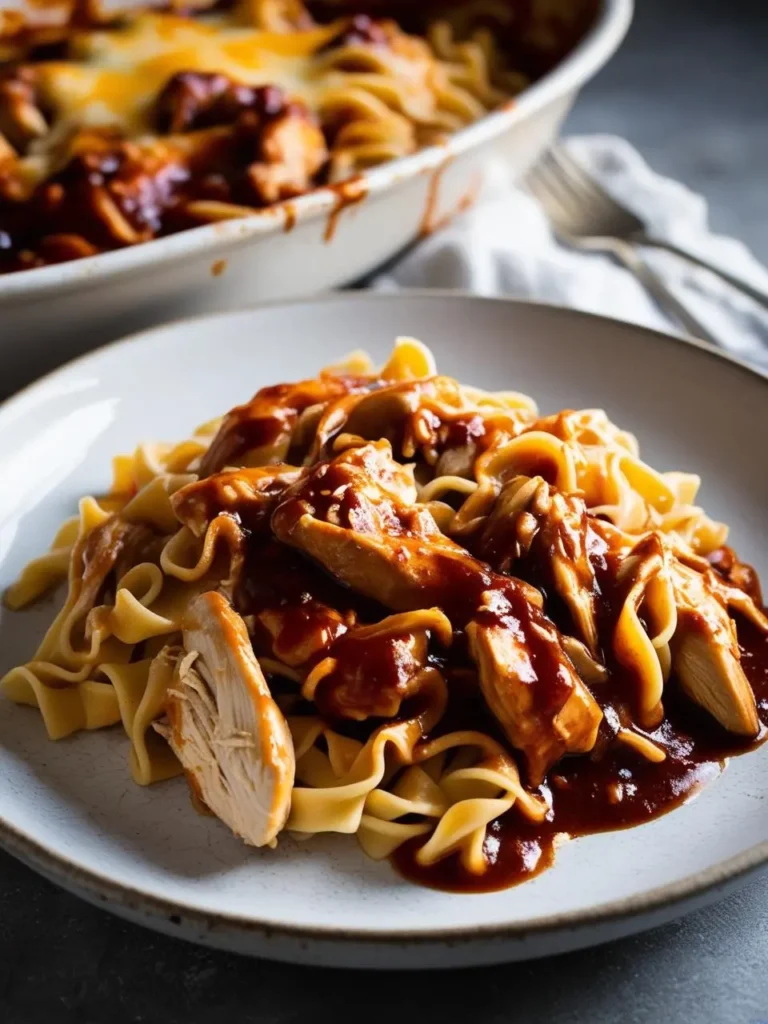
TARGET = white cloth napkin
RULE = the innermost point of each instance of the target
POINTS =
(505, 247)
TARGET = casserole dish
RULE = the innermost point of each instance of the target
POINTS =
(324, 238)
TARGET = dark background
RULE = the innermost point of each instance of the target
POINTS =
(690, 89)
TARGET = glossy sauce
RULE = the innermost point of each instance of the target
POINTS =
(270, 417)
(415, 416)
(468, 431)
(348, 193)
(277, 578)
(154, 189)
(373, 676)
(620, 790)
(430, 220)
(587, 547)
(248, 495)
(298, 614)
(615, 787)
(292, 605)
(442, 574)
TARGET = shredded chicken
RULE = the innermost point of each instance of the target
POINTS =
(706, 654)
(251, 494)
(113, 544)
(356, 515)
(261, 432)
(532, 520)
(429, 416)
(226, 729)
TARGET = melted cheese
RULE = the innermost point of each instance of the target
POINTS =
(114, 78)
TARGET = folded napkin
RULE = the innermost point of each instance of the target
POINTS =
(505, 247)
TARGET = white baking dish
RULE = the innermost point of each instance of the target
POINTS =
(319, 241)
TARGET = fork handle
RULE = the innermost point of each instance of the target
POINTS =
(655, 285)
(747, 287)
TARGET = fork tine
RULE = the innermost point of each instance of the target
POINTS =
(546, 199)
(574, 195)
(547, 186)
(575, 174)
(614, 216)
(591, 209)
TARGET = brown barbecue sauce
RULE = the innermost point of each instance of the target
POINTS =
(614, 787)
(619, 790)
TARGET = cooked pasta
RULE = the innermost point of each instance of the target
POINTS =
(385, 603)
(119, 128)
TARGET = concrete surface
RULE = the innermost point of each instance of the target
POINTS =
(690, 89)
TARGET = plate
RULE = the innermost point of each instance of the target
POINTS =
(70, 810)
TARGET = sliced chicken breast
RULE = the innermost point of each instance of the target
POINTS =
(550, 530)
(706, 654)
(226, 729)
(356, 516)
(523, 679)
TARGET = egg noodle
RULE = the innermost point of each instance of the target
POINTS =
(388, 480)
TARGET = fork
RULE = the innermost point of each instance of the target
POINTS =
(586, 217)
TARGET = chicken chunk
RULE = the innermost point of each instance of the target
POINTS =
(293, 150)
(548, 533)
(357, 517)
(260, 432)
(431, 416)
(226, 729)
(510, 668)
(370, 670)
(250, 494)
(706, 654)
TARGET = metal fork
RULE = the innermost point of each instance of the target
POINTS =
(586, 217)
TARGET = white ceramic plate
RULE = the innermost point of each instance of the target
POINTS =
(70, 809)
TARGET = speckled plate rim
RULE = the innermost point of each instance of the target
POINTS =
(654, 905)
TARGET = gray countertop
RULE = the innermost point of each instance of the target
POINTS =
(64, 961)
(690, 89)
